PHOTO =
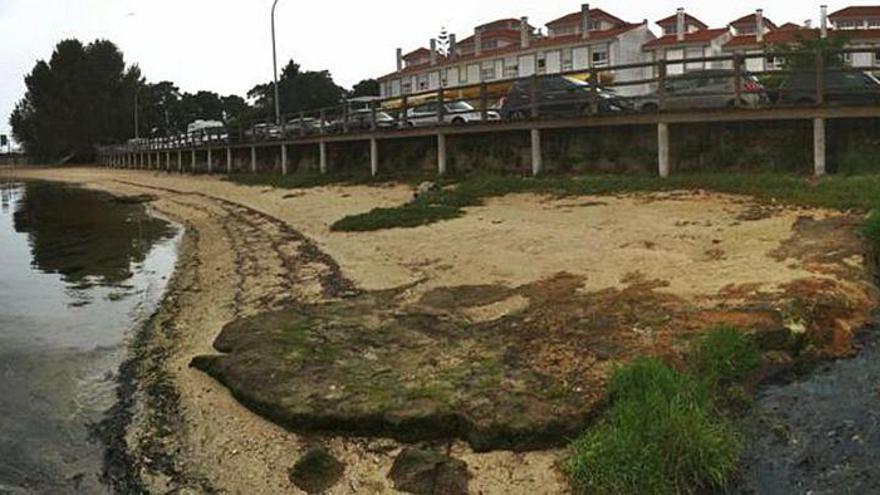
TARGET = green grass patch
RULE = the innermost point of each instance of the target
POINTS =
(860, 192)
(666, 431)
(663, 434)
(726, 357)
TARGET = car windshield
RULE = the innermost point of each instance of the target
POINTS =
(459, 106)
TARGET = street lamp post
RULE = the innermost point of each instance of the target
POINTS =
(275, 68)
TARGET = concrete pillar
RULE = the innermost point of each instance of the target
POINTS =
(158, 160)
(537, 156)
(210, 161)
(193, 160)
(180, 161)
(663, 149)
(283, 159)
(441, 154)
(819, 146)
(167, 161)
(254, 159)
(149, 160)
(322, 152)
(228, 160)
(374, 157)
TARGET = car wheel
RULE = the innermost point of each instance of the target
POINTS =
(458, 121)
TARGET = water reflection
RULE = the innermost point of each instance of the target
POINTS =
(78, 270)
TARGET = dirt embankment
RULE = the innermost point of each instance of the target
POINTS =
(499, 328)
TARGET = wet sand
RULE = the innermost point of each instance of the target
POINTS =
(243, 254)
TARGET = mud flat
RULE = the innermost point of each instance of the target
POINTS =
(494, 331)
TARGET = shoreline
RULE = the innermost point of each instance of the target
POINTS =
(245, 251)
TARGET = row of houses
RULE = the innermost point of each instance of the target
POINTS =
(594, 38)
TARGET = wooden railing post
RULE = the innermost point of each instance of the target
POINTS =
(302, 124)
(484, 102)
(820, 77)
(738, 62)
(594, 91)
(441, 106)
(533, 97)
(404, 118)
(661, 84)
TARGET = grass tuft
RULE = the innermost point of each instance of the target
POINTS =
(726, 357)
(662, 434)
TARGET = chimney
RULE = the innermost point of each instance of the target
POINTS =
(679, 24)
(478, 42)
(759, 25)
(585, 21)
(823, 20)
(452, 45)
(433, 51)
(525, 35)
(808, 24)
(399, 59)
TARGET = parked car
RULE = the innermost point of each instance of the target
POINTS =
(557, 96)
(307, 125)
(713, 88)
(362, 120)
(853, 88)
(456, 113)
(264, 131)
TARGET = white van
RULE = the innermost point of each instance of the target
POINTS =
(207, 131)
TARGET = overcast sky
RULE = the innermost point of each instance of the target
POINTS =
(225, 45)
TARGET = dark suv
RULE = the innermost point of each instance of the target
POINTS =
(854, 88)
(556, 96)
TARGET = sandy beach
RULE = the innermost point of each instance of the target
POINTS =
(249, 250)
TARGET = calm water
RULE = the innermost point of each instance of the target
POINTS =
(78, 272)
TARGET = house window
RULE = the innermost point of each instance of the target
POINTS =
(600, 57)
(877, 57)
(848, 24)
(873, 23)
(488, 71)
(848, 58)
(422, 81)
(542, 65)
(406, 87)
(774, 63)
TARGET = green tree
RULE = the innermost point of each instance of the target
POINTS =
(299, 91)
(83, 96)
(802, 53)
(367, 87)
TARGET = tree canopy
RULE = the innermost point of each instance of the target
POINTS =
(298, 90)
(86, 95)
(80, 98)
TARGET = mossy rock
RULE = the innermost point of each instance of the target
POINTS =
(427, 472)
(360, 368)
(316, 471)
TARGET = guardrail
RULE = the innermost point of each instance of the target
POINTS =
(715, 88)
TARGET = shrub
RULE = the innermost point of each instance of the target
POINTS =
(661, 435)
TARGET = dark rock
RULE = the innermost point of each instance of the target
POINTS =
(316, 471)
(427, 472)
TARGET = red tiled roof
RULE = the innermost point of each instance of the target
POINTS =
(790, 25)
(688, 19)
(575, 18)
(864, 11)
(701, 36)
(509, 34)
(786, 36)
(751, 20)
(418, 51)
(499, 21)
(538, 43)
